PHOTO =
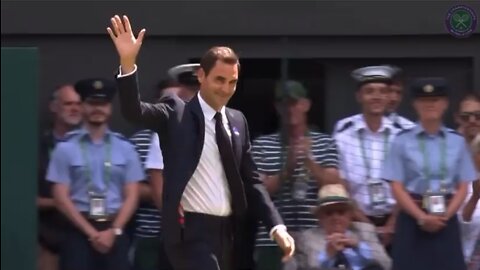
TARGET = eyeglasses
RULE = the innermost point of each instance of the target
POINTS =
(465, 116)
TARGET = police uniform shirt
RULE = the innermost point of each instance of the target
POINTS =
(406, 163)
(352, 164)
(70, 166)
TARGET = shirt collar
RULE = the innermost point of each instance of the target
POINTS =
(361, 124)
(208, 111)
(418, 129)
(84, 133)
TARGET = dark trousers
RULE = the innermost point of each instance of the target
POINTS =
(150, 254)
(77, 252)
(207, 244)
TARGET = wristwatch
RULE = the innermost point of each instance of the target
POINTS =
(117, 231)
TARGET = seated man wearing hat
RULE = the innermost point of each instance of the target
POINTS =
(338, 241)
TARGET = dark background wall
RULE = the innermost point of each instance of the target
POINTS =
(334, 37)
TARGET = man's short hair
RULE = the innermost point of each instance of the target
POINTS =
(57, 88)
(218, 53)
(472, 96)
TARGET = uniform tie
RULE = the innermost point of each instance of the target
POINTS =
(239, 204)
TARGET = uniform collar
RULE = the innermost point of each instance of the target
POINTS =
(84, 133)
(361, 125)
(418, 129)
(208, 111)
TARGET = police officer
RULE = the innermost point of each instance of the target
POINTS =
(186, 76)
(95, 173)
(430, 168)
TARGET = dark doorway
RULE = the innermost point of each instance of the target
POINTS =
(255, 91)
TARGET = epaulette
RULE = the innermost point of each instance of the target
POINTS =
(70, 135)
(120, 136)
(345, 126)
(454, 132)
(123, 138)
(397, 125)
(403, 131)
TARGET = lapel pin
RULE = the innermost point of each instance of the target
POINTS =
(235, 131)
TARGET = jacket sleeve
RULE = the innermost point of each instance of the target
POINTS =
(148, 115)
(258, 198)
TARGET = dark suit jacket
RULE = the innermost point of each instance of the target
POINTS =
(181, 129)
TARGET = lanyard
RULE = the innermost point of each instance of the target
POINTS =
(107, 164)
(426, 161)
(364, 154)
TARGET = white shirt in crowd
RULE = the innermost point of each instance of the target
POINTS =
(352, 164)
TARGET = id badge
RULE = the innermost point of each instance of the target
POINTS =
(98, 206)
(377, 192)
(435, 204)
(300, 189)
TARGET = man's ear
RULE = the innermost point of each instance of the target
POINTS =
(200, 75)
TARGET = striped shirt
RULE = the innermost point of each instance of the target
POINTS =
(353, 163)
(147, 216)
(269, 154)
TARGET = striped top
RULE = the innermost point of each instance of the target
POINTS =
(147, 216)
(269, 154)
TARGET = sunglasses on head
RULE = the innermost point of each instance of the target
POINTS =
(465, 116)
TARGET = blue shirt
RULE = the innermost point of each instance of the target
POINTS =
(406, 162)
(114, 157)
(356, 257)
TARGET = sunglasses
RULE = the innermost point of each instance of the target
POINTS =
(465, 116)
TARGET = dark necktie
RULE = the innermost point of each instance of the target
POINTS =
(239, 204)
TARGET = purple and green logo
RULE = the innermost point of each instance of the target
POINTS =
(461, 21)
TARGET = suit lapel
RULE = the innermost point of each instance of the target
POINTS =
(235, 131)
(199, 120)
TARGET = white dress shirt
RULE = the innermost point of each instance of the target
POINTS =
(207, 191)
(352, 164)
(154, 158)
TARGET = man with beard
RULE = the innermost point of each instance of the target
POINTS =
(65, 105)
(468, 119)
(363, 144)
(95, 174)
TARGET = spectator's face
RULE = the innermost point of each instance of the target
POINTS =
(430, 108)
(219, 85)
(97, 111)
(373, 97)
(67, 106)
(468, 118)
(294, 111)
(395, 97)
(336, 218)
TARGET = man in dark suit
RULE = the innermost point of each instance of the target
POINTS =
(213, 196)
